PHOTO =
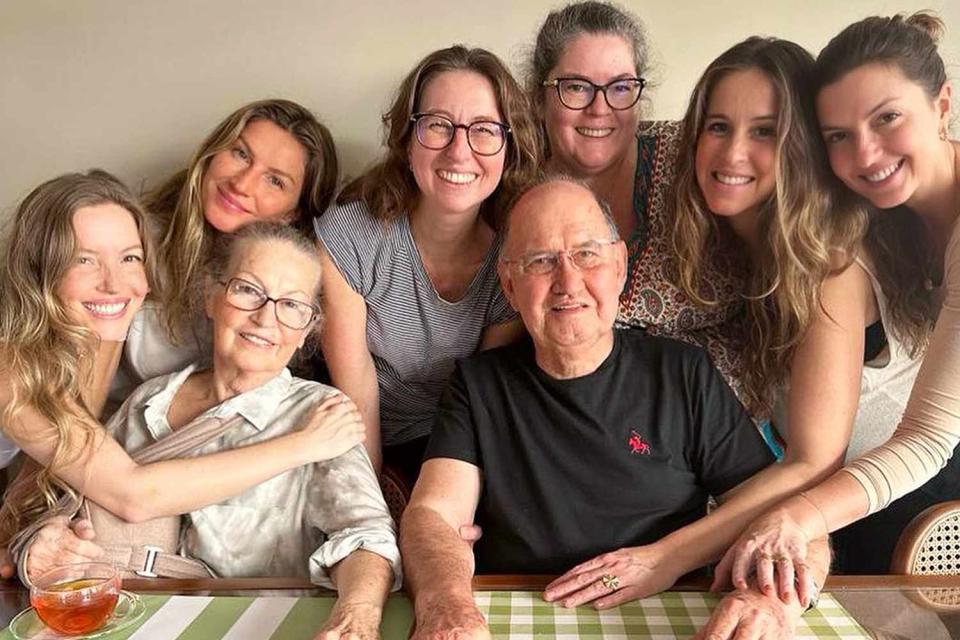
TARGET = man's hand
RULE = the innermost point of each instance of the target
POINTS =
(451, 618)
(613, 578)
(61, 542)
(747, 614)
(352, 621)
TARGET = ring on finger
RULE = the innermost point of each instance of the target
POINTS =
(764, 556)
(781, 559)
(610, 581)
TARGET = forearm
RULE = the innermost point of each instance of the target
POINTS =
(437, 563)
(144, 491)
(362, 578)
(361, 386)
(827, 507)
(705, 540)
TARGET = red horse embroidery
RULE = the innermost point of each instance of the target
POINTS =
(637, 445)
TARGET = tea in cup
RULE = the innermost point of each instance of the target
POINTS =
(76, 598)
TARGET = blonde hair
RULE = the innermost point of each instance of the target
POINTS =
(389, 189)
(48, 355)
(180, 200)
(809, 226)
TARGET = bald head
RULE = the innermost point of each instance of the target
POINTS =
(552, 197)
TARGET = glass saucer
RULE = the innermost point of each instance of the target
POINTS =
(27, 626)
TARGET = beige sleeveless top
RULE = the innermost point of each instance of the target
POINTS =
(885, 384)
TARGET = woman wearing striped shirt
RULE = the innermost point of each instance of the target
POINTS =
(410, 249)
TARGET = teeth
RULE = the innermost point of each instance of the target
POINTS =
(732, 180)
(457, 178)
(883, 174)
(111, 309)
(594, 133)
(256, 340)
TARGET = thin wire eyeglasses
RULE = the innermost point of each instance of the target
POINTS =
(587, 256)
(579, 93)
(246, 296)
(436, 132)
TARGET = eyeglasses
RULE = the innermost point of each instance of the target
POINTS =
(585, 257)
(579, 93)
(247, 296)
(486, 138)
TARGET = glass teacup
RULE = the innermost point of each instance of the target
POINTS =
(76, 598)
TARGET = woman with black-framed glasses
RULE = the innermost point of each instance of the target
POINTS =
(410, 280)
(586, 79)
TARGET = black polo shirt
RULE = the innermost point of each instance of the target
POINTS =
(574, 468)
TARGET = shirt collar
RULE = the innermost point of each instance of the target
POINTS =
(257, 406)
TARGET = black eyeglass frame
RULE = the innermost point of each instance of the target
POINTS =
(555, 83)
(415, 119)
(266, 299)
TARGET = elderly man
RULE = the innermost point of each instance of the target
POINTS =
(587, 443)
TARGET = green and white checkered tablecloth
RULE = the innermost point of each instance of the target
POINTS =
(517, 615)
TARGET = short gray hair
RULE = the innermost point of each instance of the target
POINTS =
(554, 177)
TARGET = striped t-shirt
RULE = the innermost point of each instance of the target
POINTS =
(413, 334)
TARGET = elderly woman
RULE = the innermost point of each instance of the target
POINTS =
(327, 520)
(410, 250)
(585, 80)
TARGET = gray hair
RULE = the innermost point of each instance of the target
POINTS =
(556, 177)
(562, 26)
(226, 246)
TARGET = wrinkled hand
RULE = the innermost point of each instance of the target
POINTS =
(61, 542)
(747, 614)
(640, 571)
(451, 619)
(333, 427)
(775, 548)
(352, 621)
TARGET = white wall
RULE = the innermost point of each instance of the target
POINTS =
(133, 85)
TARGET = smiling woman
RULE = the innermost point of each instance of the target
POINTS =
(409, 273)
(269, 160)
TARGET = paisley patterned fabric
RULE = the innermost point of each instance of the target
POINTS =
(651, 298)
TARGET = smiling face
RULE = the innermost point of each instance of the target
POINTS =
(456, 179)
(259, 177)
(591, 140)
(106, 285)
(882, 132)
(253, 342)
(736, 150)
(569, 307)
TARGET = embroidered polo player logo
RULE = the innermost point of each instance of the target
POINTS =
(637, 445)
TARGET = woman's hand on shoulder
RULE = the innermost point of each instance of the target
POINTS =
(332, 428)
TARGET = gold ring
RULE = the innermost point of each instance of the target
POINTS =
(611, 582)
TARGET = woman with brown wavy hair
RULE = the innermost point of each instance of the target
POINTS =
(411, 247)
(79, 260)
(883, 104)
(268, 160)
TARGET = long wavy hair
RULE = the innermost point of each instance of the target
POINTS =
(809, 227)
(389, 189)
(179, 200)
(896, 239)
(48, 356)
